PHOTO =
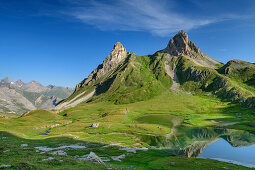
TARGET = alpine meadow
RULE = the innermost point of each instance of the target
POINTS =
(176, 108)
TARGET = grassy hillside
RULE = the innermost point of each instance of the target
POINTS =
(121, 125)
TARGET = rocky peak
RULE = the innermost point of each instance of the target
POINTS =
(19, 83)
(117, 55)
(6, 80)
(181, 45)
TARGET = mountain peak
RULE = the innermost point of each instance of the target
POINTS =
(19, 83)
(117, 46)
(181, 45)
(118, 53)
(6, 80)
(117, 56)
(182, 34)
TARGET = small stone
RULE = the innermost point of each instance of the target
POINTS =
(48, 159)
(24, 145)
(5, 166)
(6, 151)
(172, 163)
(118, 158)
(76, 156)
(60, 152)
(226, 168)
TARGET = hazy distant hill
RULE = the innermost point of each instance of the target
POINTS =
(19, 97)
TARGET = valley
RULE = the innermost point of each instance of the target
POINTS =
(157, 111)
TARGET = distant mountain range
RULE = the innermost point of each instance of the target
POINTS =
(19, 97)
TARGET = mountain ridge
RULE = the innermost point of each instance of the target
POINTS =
(180, 66)
(19, 97)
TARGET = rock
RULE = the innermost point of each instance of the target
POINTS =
(5, 166)
(117, 55)
(48, 159)
(225, 168)
(133, 150)
(6, 151)
(24, 145)
(95, 125)
(118, 158)
(92, 157)
(172, 163)
(60, 152)
(181, 45)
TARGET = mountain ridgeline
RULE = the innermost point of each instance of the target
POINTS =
(19, 97)
(181, 66)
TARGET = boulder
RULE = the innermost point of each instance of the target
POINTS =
(92, 157)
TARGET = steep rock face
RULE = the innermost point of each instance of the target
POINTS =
(11, 100)
(180, 45)
(117, 55)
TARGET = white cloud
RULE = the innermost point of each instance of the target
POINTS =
(154, 16)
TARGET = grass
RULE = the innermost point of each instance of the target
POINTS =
(30, 158)
(122, 125)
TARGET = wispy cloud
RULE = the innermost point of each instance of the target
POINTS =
(135, 15)
(158, 17)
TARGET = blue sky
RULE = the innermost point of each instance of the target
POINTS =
(61, 41)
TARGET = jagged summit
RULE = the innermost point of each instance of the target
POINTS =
(6, 80)
(117, 55)
(181, 45)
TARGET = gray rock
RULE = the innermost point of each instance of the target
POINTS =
(24, 145)
(92, 157)
(118, 158)
(180, 45)
(5, 166)
(60, 152)
(172, 163)
(48, 159)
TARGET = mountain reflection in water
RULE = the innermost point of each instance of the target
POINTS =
(191, 141)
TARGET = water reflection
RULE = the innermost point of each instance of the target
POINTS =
(191, 141)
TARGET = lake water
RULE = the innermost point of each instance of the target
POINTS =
(227, 145)
(221, 150)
